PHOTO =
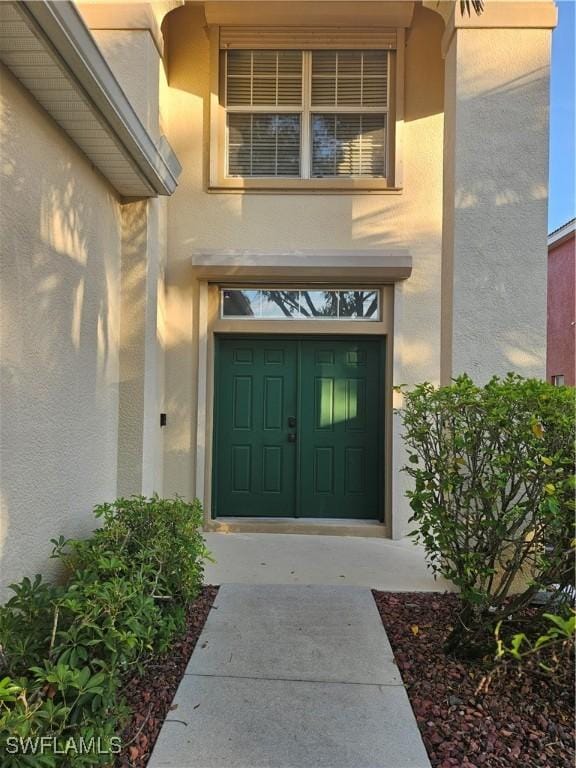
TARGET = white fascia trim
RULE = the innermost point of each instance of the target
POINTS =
(562, 232)
(60, 25)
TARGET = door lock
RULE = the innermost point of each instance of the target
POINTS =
(292, 421)
(292, 437)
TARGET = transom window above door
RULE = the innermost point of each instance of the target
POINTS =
(306, 114)
(298, 304)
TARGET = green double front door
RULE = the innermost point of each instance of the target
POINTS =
(298, 427)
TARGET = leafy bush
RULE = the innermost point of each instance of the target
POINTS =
(550, 651)
(493, 496)
(65, 651)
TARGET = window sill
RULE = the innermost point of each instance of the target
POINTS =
(305, 187)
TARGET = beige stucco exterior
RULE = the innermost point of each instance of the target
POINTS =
(496, 201)
(270, 224)
(59, 336)
(110, 304)
(81, 274)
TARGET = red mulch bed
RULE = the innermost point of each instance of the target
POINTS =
(150, 695)
(521, 720)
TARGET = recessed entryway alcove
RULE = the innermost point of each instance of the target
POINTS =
(306, 344)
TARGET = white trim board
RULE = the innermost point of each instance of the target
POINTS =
(98, 116)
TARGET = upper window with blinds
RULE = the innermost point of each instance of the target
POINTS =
(306, 114)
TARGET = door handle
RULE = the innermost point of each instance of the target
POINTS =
(292, 421)
(292, 437)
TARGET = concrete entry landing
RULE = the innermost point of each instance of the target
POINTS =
(288, 558)
(288, 676)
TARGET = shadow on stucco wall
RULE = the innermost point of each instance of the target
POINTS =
(500, 200)
(58, 339)
(201, 221)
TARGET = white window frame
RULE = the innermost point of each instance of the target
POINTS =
(392, 183)
(558, 379)
(306, 111)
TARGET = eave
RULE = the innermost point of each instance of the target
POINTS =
(562, 234)
(51, 52)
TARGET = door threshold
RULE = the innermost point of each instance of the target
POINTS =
(301, 525)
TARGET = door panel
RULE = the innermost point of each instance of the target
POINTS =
(254, 464)
(298, 428)
(340, 429)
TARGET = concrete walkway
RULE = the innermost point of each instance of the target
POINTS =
(289, 558)
(288, 676)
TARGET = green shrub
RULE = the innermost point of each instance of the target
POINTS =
(493, 495)
(67, 650)
(549, 651)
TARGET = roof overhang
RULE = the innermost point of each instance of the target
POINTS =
(369, 267)
(562, 234)
(50, 50)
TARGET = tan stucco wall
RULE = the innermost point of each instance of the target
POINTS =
(496, 198)
(135, 61)
(59, 283)
(200, 221)
(133, 57)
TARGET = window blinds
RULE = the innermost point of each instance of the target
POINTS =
(264, 78)
(306, 114)
(350, 78)
(348, 145)
(263, 144)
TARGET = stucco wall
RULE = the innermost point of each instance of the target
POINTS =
(561, 353)
(496, 199)
(59, 283)
(204, 221)
(134, 59)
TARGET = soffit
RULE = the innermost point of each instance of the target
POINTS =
(333, 13)
(51, 52)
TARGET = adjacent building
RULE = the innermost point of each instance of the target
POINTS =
(561, 335)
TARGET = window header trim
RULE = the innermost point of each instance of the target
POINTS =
(310, 38)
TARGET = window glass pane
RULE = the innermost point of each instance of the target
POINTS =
(263, 144)
(350, 78)
(239, 145)
(239, 69)
(236, 303)
(359, 304)
(324, 77)
(280, 304)
(319, 304)
(315, 304)
(264, 78)
(348, 145)
(239, 63)
(374, 78)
